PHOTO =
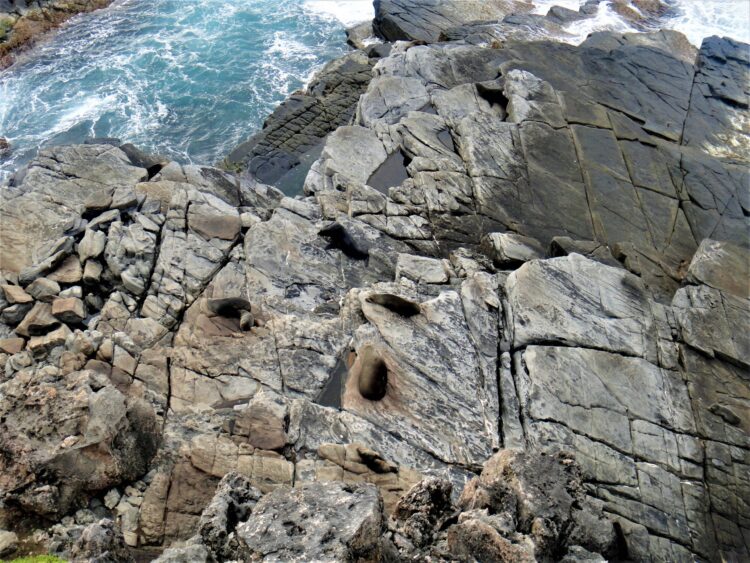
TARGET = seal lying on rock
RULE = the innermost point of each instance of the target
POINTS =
(373, 374)
(397, 304)
(233, 308)
(340, 238)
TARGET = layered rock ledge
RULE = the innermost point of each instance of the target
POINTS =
(535, 255)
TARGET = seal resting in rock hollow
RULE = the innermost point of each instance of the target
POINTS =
(338, 237)
(373, 374)
(233, 308)
(395, 303)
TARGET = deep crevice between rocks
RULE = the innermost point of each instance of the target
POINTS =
(392, 173)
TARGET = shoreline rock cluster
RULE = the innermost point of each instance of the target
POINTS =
(501, 322)
(22, 22)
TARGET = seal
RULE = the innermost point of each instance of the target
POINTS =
(338, 237)
(233, 308)
(397, 304)
(373, 374)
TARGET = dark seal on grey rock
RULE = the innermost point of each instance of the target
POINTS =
(397, 304)
(340, 239)
(4, 146)
(373, 375)
(233, 308)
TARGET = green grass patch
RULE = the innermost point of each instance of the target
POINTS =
(36, 559)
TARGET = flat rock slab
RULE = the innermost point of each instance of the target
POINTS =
(580, 302)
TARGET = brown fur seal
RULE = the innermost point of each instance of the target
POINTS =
(397, 304)
(338, 237)
(233, 308)
(373, 374)
(230, 307)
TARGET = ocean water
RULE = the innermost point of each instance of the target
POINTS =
(697, 19)
(191, 79)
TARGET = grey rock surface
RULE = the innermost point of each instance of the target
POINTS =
(323, 522)
(8, 543)
(425, 20)
(532, 258)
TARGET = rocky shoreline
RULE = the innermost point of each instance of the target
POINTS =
(23, 22)
(503, 321)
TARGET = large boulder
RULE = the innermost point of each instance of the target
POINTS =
(329, 521)
(320, 521)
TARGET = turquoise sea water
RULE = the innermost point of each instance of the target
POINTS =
(186, 78)
(191, 79)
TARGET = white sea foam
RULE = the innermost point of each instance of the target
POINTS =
(542, 6)
(87, 109)
(606, 19)
(288, 48)
(348, 12)
(699, 19)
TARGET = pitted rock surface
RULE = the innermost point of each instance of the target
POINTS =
(570, 225)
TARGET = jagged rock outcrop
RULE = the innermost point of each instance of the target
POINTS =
(497, 21)
(528, 249)
(523, 507)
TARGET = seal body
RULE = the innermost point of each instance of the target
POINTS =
(233, 308)
(395, 303)
(338, 237)
(230, 307)
(373, 375)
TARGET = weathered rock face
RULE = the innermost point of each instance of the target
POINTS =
(523, 507)
(323, 522)
(318, 521)
(529, 507)
(535, 248)
(508, 127)
(63, 440)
